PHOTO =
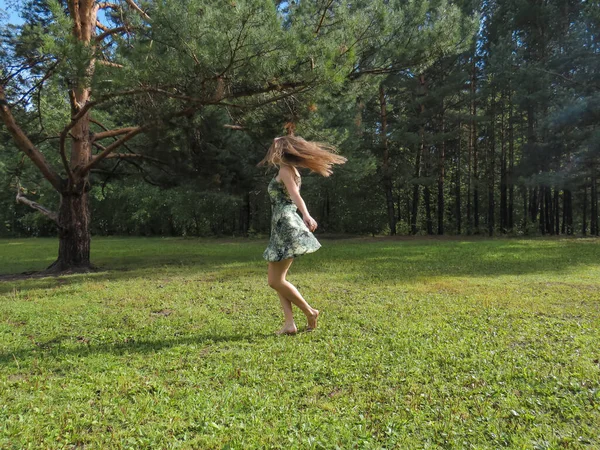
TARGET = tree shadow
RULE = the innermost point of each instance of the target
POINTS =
(54, 347)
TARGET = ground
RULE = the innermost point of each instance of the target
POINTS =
(423, 343)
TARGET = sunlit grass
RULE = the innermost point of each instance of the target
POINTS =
(422, 344)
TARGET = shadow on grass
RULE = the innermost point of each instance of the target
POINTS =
(54, 348)
(356, 260)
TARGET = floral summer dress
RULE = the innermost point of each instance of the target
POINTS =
(290, 237)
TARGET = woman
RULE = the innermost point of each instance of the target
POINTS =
(291, 235)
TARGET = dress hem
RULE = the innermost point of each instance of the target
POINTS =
(295, 255)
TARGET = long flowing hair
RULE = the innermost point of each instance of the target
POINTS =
(295, 151)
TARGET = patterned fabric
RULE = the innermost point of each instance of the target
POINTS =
(290, 237)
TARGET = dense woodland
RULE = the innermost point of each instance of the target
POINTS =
(463, 117)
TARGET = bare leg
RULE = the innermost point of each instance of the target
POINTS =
(277, 273)
(289, 327)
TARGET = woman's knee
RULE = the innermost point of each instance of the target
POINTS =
(275, 283)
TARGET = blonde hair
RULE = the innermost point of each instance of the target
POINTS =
(295, 151)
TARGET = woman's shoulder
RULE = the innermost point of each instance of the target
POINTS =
(289, 171)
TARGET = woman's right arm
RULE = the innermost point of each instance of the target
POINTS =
(287, 176)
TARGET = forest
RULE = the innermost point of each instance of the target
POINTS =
(147, 294)
(457, 117)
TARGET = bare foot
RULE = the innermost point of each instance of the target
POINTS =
(312, 320)
(287, 329)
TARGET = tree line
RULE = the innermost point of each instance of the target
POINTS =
(462, 117)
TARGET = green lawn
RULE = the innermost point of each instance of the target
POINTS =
(421, 344)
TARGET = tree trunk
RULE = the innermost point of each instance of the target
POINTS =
(569, 211)
(469, 157)
(533, 203)
(503, 176)
(428, 219)
(408, 210)
(441, 175)
(458, 169)
(594, 209)
(74, 231)
(74, 211)
(549, 211)
(584, 212)
(511, 164)
(419, 157)
(556, 213)
(415, 199)
(542, 202)
(491, 162)
(525, 210)
(475, 185)
(245, 215)
(474, 148)
(387, 177)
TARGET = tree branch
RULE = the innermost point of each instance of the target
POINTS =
(45, 211)
(323, 16)
(136, 155)
(26, 146)
(105, 5)
(127, 155)
(105, 128)
(104, 153)
(101, 26)
(104, 62)
(139, 10)
(109, 32)
(135, 131)
(111, 133)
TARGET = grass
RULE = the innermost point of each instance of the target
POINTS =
(422, 344)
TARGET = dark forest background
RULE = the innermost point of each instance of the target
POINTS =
(496, 133)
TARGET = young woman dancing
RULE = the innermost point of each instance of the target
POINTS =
(291, 236)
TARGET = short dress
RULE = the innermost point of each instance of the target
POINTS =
(290, 237)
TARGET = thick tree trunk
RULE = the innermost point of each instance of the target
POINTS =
(74, 231)
(74, 211)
